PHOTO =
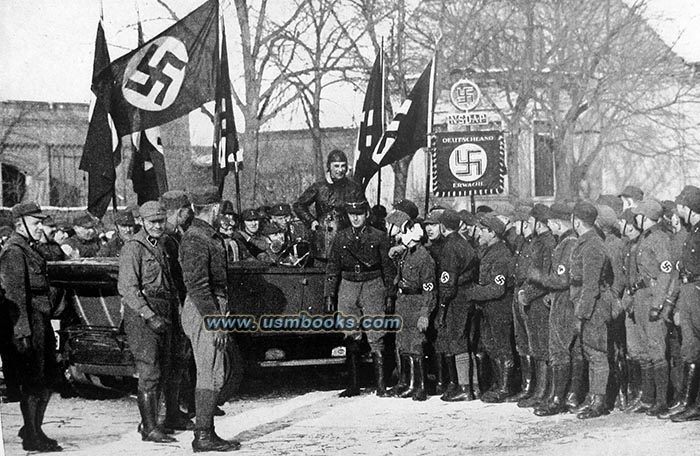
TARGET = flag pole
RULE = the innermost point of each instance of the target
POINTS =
(114, 166)
(431, 114)
(217, 104)
(381, 72)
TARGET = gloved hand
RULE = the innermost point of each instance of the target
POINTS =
(331, 304)
(578, 327)
(396, 251)
(23, 344)
(158, 324)
(422, 323)
(547, 300)
(441, 317)
(390, 304)
(220, 340)
(521, 299)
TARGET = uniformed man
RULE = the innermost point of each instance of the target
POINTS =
(433, 233)
(493, 294)
(688, 311)
(417, 296)
(250, 237)
(151, 297)
(179, 213)
(457, 269)
(631, 196)
(328, 198)
(204, 268)
(126, 226)
(359, 278)
(297, 236)
(589, 270)
(47, 246)
(25, 282)
(85, 243)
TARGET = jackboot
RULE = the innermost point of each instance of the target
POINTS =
(459, 392)
(690, 389)
(587, 401)
(42, 403)
(148, 408)
(411, 388)
(496, 371)
(646, 399)
(503, 389)
(661, 384)
(401, 386)
(353, 362)
(419, 393)
(556, 401)
(527, 374)
(451, 381)
(30, 432)
(540, 385)
(440, 383)
(205, 438)
(475, 376)
(175, 418)
(691, 413)
(595, 409)
(634, 384)
(621, 402)
(575, 385)
(378, 361)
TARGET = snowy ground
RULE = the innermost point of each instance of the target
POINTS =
(318, 422)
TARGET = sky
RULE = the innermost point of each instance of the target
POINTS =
(47, 46)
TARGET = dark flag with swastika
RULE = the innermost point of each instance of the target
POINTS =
(408, 132)
(169, 76)
(101, 152)
(147, 170)
(226, 139)
(372, 123)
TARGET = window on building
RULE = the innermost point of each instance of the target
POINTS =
(544, 165)
(13, 185)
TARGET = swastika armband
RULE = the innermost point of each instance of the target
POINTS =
(666, 267)
(500, 280)
(428, 286)
(561, 269)
(444, 277)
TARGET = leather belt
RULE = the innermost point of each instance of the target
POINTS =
(359, 268)
(410, 291)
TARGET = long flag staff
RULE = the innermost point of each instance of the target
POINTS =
(383, 125)
(114, 165)
(431, 114)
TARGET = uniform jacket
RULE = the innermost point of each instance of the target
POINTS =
(615, 248)
(690, 256)
(556, 279)
(457, 267)
(495, 272)
(204, 267)
(326, 195)
(51, 250)
(148, 272)
(112, 247)
(589, 270)
(677, 241)
(540, 259)
(435, 248)
(25, 283)
(86, 249)
(359, 255)
(416, 276)
(653, 263)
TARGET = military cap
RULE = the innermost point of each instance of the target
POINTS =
(49, 221)
(650, 208)
(521, 213)
(560, 211)
(134, 209)
(586, 212)
(407, 206)
(669, 208)
(450, 219)
(337, 156)
(606, 216)
(28, 208)
(152, 211)
(614, 202)
(205, 195)
(378, 211)
(250, 215)
(397, 218)
(224, 221)
(356, 207)
(505, 209)
(483, 209)
(281, 209)
(467, 217)
(227, 207)
(271, 228)
(540, 212)
(264, 212)
(174, 199)
(6, 231)
(433, 217)
(633, 192)
(690, 197)
(85, 220)
(493, 223)
(124, 218)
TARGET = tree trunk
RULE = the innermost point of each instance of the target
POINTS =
(513, 161)
(400, 177)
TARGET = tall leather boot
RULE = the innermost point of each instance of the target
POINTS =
(31, 441)
(575, 385)
(419, 393)
(623, 380)
(399, 388)
(661, 385)
(148, 408)
(505, 376)
(378, 361)
(475, 375)
(634, 384)
(440, 380)
(42, 403)
(411, 367)
(490, 395)
(692, 374)
(556, 400)
(353, 363)
(174, 418)
(527, 374)
(647, 397)
(460, 392)
(205, 438)
(597, 408)
(540, 385)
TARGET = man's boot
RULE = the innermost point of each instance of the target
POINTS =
(487, 379)
(42, 403)
(490, 395)
(575, 385)
(401, 386)
(205, 438)
(451, 381)
(505, 375)
(31, 439)
(527, 374)
(595, 409)
(411, 367)
(690, 389)
(459, 392)
(148, 408)
(419, 393)
(440, 380)
(475, 377)
(556, 402)
(623, 380)
(634, 384)
(353, 363)
(646, 399)
(540, 385)
(661, 383)
(175, 418)
(378, 361)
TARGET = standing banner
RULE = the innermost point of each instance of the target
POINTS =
(468, 163)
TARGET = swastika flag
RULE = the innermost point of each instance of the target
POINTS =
(372, 123)
(166, 78)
